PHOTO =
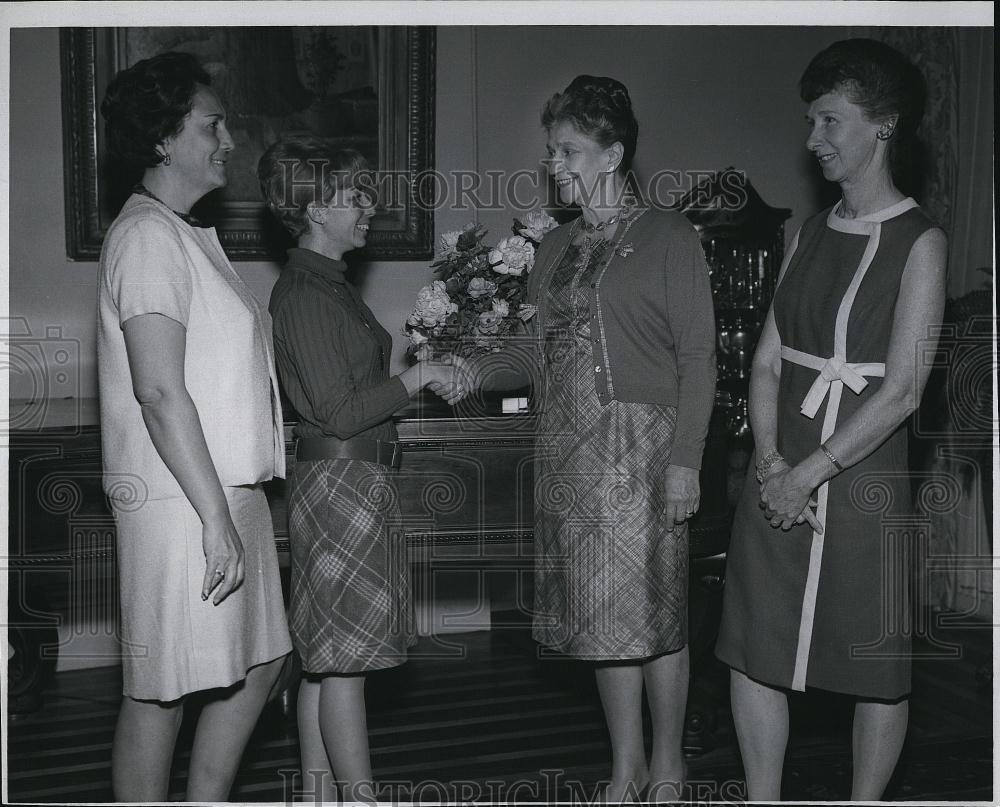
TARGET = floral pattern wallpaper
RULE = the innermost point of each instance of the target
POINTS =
(934, 50)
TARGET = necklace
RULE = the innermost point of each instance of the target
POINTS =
(593, 234)
(590, 229)
(187, 218)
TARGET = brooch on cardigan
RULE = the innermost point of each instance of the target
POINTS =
(624, 250)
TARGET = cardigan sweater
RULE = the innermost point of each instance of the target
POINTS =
(652, 322)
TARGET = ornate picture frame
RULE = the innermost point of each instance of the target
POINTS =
(366, 87)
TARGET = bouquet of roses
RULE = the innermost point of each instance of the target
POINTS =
(478, 302)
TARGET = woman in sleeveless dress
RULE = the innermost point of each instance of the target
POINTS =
(816, 589)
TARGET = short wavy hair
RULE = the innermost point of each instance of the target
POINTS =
(880, 80)
(147, 103)
(600, 108)
(302, 169)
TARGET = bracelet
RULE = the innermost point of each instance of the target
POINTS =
(830, 456)
(771, 458)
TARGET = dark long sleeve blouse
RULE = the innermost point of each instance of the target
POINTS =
(332, 354)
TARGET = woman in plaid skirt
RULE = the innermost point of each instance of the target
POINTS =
(350, 606)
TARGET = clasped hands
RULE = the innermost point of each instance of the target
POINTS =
(451, 376)
(787, 498)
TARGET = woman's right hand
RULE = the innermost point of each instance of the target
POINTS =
(224, 559)
(452, 380)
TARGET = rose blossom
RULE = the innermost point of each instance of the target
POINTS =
(501, 307)
(480, 287)
(512, 256)
(536, 224)
(489, 323)
(433, 304)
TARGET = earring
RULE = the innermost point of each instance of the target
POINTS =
(166, 159)
(884, 133)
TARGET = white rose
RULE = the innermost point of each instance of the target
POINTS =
(512, 256)
(433, 305)
(501, 307)
(481, 287)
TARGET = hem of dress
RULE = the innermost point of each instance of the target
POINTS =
(385, 664)
(836, 690)
(607, 657)
(227, 682)
(378, 663)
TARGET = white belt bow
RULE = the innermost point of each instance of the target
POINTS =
(833, 369)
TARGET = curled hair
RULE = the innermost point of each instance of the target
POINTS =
(880, 80)
(600, 108)
(302, 169)
(147, 103)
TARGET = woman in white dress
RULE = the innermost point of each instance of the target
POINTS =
(191, 425)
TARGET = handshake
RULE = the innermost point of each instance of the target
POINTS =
(448, 375)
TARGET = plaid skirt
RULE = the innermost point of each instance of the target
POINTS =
(351, 609)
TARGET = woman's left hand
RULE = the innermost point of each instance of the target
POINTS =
(683, 494)
(786, 497)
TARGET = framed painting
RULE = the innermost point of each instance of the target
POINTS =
(364, 87)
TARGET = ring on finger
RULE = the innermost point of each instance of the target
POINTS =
(220, 574)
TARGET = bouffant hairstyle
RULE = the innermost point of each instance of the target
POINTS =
(301, 169)
(879, 79)
(600, 108)
(147, 103)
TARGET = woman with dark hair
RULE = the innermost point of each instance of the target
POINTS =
(625, 338)
(351, 611)
(816, 584)
(191, 425)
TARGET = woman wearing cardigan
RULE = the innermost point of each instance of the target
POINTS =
(624, 337)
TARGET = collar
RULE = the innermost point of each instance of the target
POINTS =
(866, 225)
(318, 264)
(187, 218)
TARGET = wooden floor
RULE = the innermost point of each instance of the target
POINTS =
(479, 717)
